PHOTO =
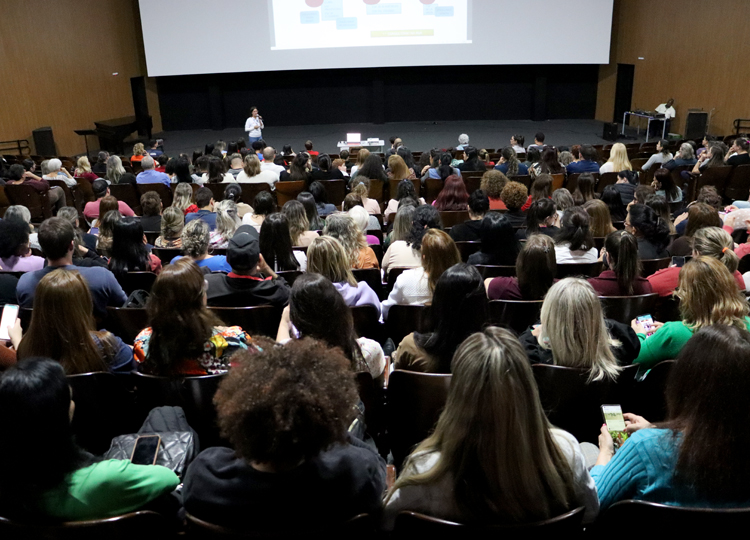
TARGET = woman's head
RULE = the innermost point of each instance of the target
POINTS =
(275, 243)
(326, 256)
(563, 199)
(585, 189)
(402, 223)
(425, 217)
(618, 156)
(514, 196)
(172, 223)
(709, 295)
(139, 150)
(550, 162)
(453, 196)
(499, 237)
(298, 168)
(717, 243)
(600, 221)
(233, 192)
(195, 238)
(405, 189)
(701, 215)
(398, 167)
(643, 222)
(536, 267)
(324, 162)
(350, 201)
(183, 196)
(459, 308)
(611, 197)
(115, 170)
(541, 213)
(542, 187)
(509, 155)
(493, 182)
(687, 152)
(405, 153)
(128, 253)
(251, 165)
(227, 219)
(287, 404)
(573, 328)
(318, 310)
(664, 178)
(574, 230)
(263, 204)
(319, 193)
(311, 210)
(343, 227)
(662, 146)
(362, 156)
(439, 252)
(298, 224)
(361, 218)
(716, 153)
(443, 165)
(14, 238)
(107, 204)
(622, 257)
(361, 186)
(83, 165)
(372, 168)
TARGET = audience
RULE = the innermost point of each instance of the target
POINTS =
(253, 173)
(183, 199)
(584, 190)
(685, 157)
(404, 190)
(361, 187)
(405, 253)
(275, 243)
(468, 231)
(227, 222)
(600, 221)
(541, 218)
(204, 200)
(311, 211)
(612, 198)
(699, 215)
(343, 227)
(499, 243)
(662, 155)
(453, 197)
(535, 272)
(15, 254)
(650, 230)
(514, 195)
(263, 205)
(402, 223)
(195, 239)
(492, 184)
(320, 195)
(626, 185)
(129, 252)
(574, 243)
(588, 162)
(623, 274)
(509, 164)
(618, 160)
(172, 223)
(459, 308)
(151, 208)
(150, 176)
(664, 185)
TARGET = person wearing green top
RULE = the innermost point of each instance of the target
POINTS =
(45, 474)
(708, 295)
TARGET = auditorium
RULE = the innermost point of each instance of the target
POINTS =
(484, 272)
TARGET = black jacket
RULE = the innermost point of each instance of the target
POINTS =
(226, 291)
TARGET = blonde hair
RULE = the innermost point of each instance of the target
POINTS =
(439, 252)
(83, 165)
(251, 165)
(195, 238)
(573, 328)
(361, 186)
(139, 149)
(183, 196)
(709, 295)
(297, 216)
(715, 242)
(399, 170)
(618, 156)
(600, 222)
(172, 223)
(227, 220)
(326, 256)
(493, 440)
(342, 226)
(360, 217)
(362, 155)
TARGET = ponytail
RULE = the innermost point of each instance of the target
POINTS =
(717, 243)
(622, 247)
(510, 156)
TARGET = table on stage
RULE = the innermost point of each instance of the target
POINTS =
(369, 144)
(650, 117)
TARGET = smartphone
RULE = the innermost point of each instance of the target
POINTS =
(648, 323)
(146, 450)
(10, 314)
(615, 423)
(678, 261)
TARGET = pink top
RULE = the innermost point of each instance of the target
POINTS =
(91, 210)
(22, 264)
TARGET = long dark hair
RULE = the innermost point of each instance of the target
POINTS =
(128, 252)
(459, 308)
(36, 398)
(550, 162)
(425, 217)
(372, 169)
(215, 170)
(611, 197)
(649, 224)
(574, 229)
(182, 171)
(622, 249)
(472, 160)
(510, 157)
(180, 322)
(405, 153)
(707, 404)
(311, 209)
(542, 187)
(453, 196)
(298, 168)
(405, 189)
(276, 243)
(443, 165)
(499, 238)
(664, 177)
(536, 267)
(538, 212)
(585, 189)
(319, 311)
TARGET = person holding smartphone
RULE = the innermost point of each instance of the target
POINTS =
(253, 126)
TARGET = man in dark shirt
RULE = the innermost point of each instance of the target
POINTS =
(468, 231)
(204, 199)
(245, 285)
(741, 157)
(587, 164)
(625, 186)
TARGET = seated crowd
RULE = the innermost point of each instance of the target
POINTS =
(290, 409)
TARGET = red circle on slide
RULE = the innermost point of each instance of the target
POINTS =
(427, 2)
(314, 3)
(371, 2)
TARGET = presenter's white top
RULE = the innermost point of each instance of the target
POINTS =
(668, 113)
(253, 127)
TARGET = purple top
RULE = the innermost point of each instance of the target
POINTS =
(373, 240)
(361, 295)
(22, 264)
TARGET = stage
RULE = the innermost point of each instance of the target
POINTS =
(417, 136)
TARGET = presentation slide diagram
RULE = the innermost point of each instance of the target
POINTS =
(319, 24)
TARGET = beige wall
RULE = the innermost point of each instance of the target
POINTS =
(693, 50)
(57, 63)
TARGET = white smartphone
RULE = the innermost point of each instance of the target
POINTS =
(10, 314)
(648, 323)
(615, 423)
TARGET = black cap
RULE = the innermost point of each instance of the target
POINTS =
(243, 251)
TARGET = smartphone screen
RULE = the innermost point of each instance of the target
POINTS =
(146, 450)
(648, 323)
(678, 261)
(615, 423)
(10, 314)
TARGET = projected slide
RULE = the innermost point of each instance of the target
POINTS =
(318, 24)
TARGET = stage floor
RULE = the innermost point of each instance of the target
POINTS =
(417, 136)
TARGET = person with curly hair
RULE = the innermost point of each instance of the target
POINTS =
(343, 227)
(514, 195)
(15, 255)
(406, 253)
(492, 184)
(195, 239)
(286, 413)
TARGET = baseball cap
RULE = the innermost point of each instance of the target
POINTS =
(243, 251)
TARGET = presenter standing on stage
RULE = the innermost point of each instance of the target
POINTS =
(253, 126)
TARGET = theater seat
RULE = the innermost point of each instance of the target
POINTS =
(626, 308)
(517, 315)
(124, 527)
(255, 320)
(403, 320)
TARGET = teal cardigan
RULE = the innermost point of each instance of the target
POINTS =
(666, 343)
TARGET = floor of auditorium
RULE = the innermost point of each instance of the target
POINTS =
(418, 136)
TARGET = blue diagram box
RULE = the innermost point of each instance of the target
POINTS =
(309, 17)
(444, 11)
(332, 10)
(346, 23)
(384, 9)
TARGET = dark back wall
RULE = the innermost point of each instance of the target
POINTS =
(379, 95)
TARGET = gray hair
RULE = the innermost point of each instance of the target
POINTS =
(54, 165)
(147, 162)
(115, 170)
(44, 166)
(563, 199)
(402, 223)
(686, 151)
(227, 220)
(360, 216)
(103, 155)
(463, 139)
(19, 212)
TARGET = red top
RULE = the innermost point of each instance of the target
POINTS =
(88, 176)
(606, 285)
(504, 288)
(497, 204)
(191, 209)
(665, 281)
